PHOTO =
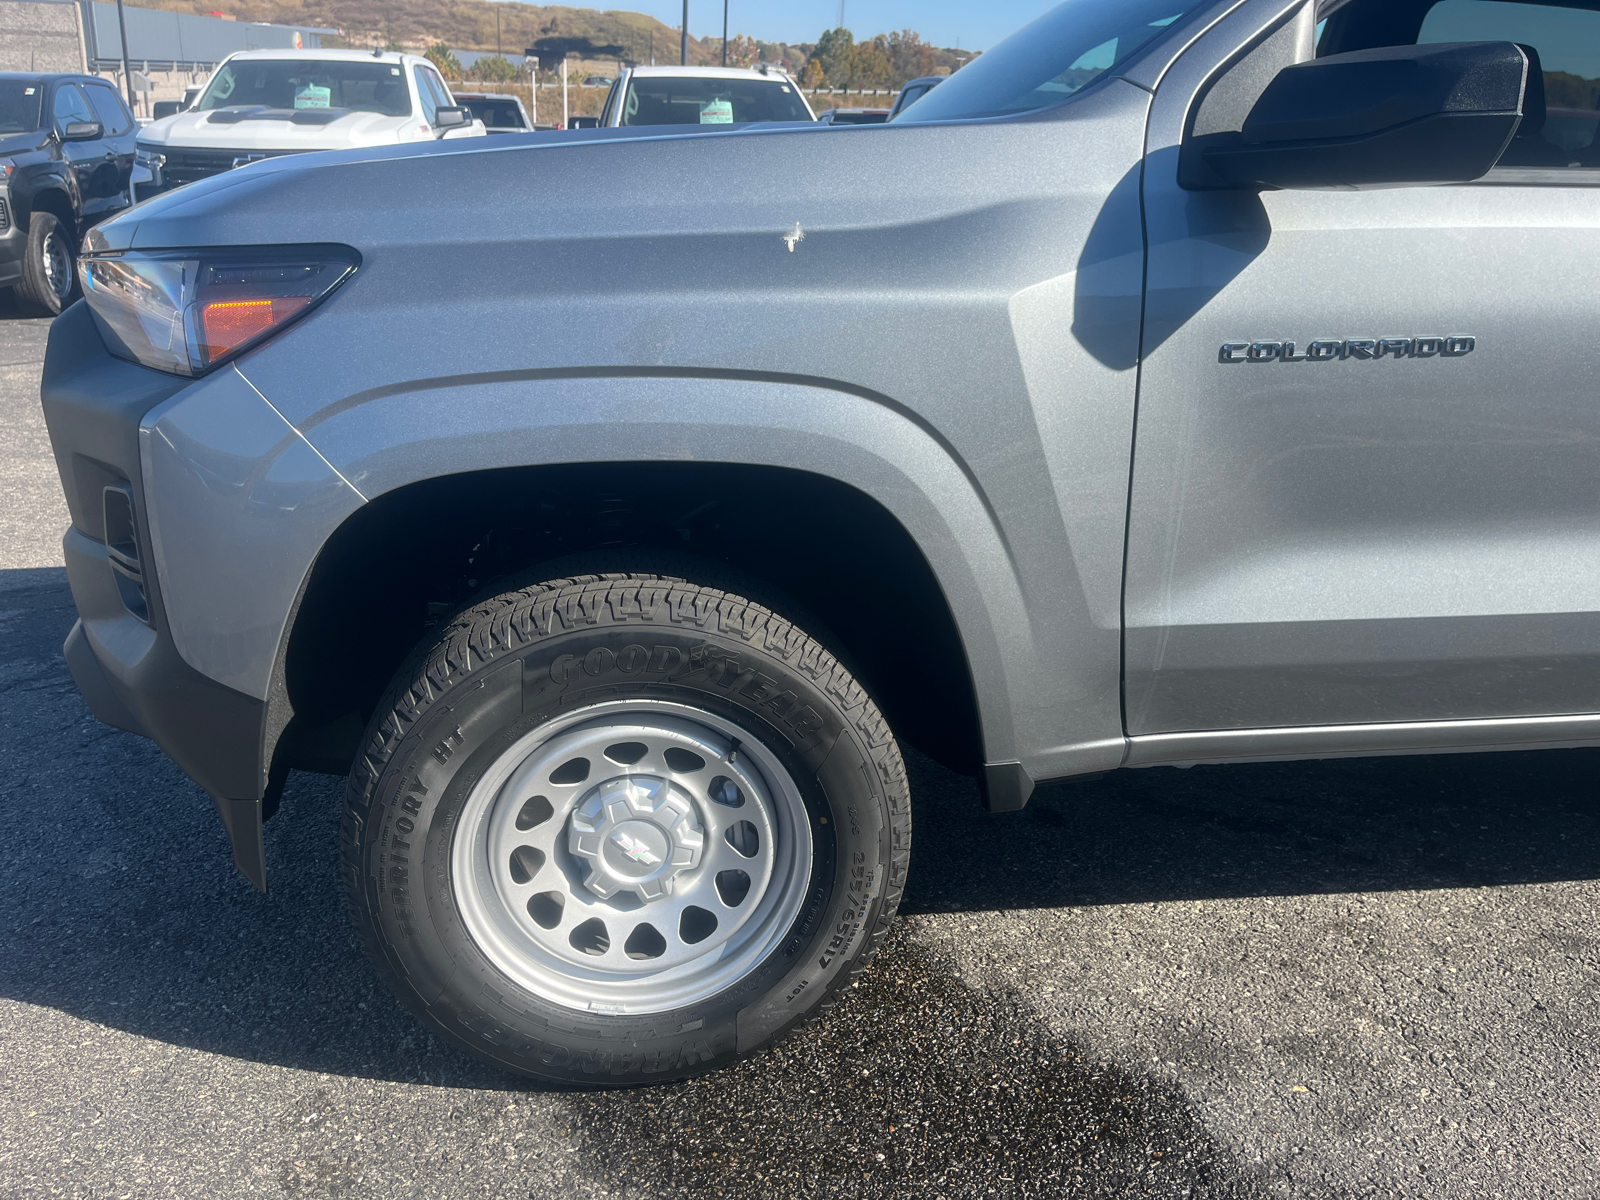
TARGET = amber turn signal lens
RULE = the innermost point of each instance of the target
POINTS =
(225, 325)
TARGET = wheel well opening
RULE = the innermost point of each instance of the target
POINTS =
(412, 557)
(55, 202)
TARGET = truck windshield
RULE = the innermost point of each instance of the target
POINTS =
(1046, 62)
(690, 101)
(19, 105)
(377, 87)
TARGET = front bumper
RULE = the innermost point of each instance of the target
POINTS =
(121, 651)
(13, 242)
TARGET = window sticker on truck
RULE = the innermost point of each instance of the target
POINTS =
(1366, 349)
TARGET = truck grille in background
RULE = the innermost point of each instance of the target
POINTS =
(185, 166)
(5, 215)
(122, 549)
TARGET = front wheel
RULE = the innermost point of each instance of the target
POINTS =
(47, 282)
(619, 829)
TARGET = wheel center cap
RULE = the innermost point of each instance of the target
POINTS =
(635, 833)
(636, 848)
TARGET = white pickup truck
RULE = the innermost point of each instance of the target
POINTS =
(264, 103)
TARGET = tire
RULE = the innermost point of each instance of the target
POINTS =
(551, 917)
(47, 282)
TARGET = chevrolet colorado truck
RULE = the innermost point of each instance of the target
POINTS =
(1182, 381)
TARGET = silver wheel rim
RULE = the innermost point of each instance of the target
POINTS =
(57, 265)
(641, 882)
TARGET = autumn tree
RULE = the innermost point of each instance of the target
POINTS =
(910, 55)
(812, 77)
(743, 51)
(873, 69)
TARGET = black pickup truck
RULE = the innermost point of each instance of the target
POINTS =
(66, 161)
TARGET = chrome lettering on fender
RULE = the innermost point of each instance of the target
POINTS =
(1361, 349)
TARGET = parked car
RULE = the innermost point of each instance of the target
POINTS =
(499, 113)
(702, 96)
(618, 630)
(598, 81)
(913, 91)
(583, 122)
(261, 104)
(853, 116)
(66, 159)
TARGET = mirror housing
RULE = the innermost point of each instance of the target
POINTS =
(1391, 117)
(81, 131)
(451, 117)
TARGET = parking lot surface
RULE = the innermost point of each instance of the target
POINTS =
(1346, 979)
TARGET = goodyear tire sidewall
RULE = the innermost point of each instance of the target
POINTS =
(467, 727)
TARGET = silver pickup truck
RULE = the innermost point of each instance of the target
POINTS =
(1182, 381)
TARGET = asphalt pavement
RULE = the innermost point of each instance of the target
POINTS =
(1346, 979)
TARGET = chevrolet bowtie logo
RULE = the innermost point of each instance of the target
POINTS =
(634, 848)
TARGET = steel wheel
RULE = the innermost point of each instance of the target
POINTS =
(56, 261)
(632, 857)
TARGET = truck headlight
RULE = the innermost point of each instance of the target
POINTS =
(150, 159)
(187, 311)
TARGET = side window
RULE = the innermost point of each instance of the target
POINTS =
(440, 92)
(1567, 44)
(113, 114)
(1562, 113)
(425, 94)
(70, 106)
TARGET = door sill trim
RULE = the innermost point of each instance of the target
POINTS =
(1362, 741)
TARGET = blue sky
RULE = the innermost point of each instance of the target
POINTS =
(976, 26)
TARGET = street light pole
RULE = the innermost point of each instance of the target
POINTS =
(724, 32)
(127, 70)
(685, 50)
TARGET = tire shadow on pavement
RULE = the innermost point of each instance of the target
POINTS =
(1260, 829)
(913, 1085)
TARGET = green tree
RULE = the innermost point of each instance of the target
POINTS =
(836, 51)
(494, 68)
(393, 47)
(442, 57)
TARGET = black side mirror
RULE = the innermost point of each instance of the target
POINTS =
(81, 131)
(451, 117)
(1387, 117)
(165, 108)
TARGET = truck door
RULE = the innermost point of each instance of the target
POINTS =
(82, 158)
(1409, 528)
(118, 145)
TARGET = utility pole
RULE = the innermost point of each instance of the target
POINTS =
(841, 15)
(127, 70)
(685, 51)
(724, 32)
(497, 34)
(566, 114)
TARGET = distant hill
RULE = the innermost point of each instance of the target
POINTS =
(585, 34)
(468, 25)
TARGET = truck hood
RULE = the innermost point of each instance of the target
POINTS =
(259, 128)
